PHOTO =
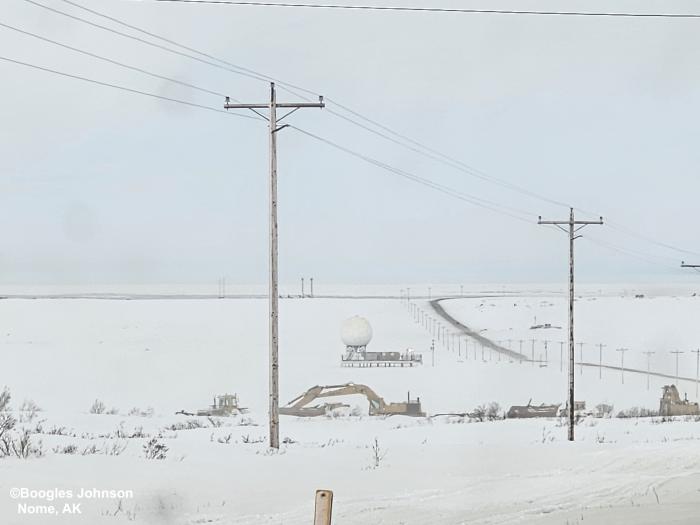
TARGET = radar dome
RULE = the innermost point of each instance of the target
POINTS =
(356, 331)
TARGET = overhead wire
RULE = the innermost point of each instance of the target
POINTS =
(111, 61)
(477, 201)
(121, 88)
(431, 153)
(448, 10)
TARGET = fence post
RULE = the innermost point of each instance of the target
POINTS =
(324, 507)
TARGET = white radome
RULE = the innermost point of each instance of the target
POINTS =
(356, 331)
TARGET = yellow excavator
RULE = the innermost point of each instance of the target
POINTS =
(377, 405)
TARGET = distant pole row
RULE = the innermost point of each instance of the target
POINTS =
(311, 286)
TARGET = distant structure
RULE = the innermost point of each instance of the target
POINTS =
(536, 326)
(672, 405)
(356, 333)
(530, 411)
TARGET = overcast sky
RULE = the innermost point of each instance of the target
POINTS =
(102, 186)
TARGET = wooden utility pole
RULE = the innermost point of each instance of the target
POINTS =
(273, 291)
(600, 360)
(622, 362)
(533, 352)
(521, 341)
(648, 354)
(677, 352)
(573, 227)
(561, 355)
(697, 370)
(302, 287)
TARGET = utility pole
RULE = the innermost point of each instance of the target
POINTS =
(648, 354)
(533, 352)
(546, 353)
(600, 360)
(273, 292)
(461, 290)
(521, 341)
(677, 352)
(572, 223)
(622, 362)
(561, 355)
(311, 294)
(302, 287)
(432, 350)
(697, 370)
(430, 294)
(580, 361)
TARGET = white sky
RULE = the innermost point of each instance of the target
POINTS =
(101, 186)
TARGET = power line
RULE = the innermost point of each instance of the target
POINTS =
(111, 61)
(234, 68)
(239, 69)
(624, 251)
(141, 40)
(477, 201)
(121, 88)
(439, 9)
(431, 153)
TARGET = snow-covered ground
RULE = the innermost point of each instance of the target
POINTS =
(174, 354)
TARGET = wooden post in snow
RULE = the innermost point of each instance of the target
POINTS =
(324, 507)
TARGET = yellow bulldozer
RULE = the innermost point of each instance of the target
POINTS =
(377, 405)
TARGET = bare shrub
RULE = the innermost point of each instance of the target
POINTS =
(90, 449)
(493, 411)
(378, 453)
(115, 448)
(136, 411)
(98, 407)
(20, 445)
(155, 450)
(248, 439)
(28, 411)
(7, 421)
(637, 412)
(479, 413)
(66, 449)
(190, 424)
(215, 422)
(225, 440)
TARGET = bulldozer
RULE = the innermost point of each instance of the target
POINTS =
(377, 405)
(224, 405)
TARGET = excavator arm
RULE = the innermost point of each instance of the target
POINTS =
(377, 405)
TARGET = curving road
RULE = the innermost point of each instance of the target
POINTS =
(435, 304)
